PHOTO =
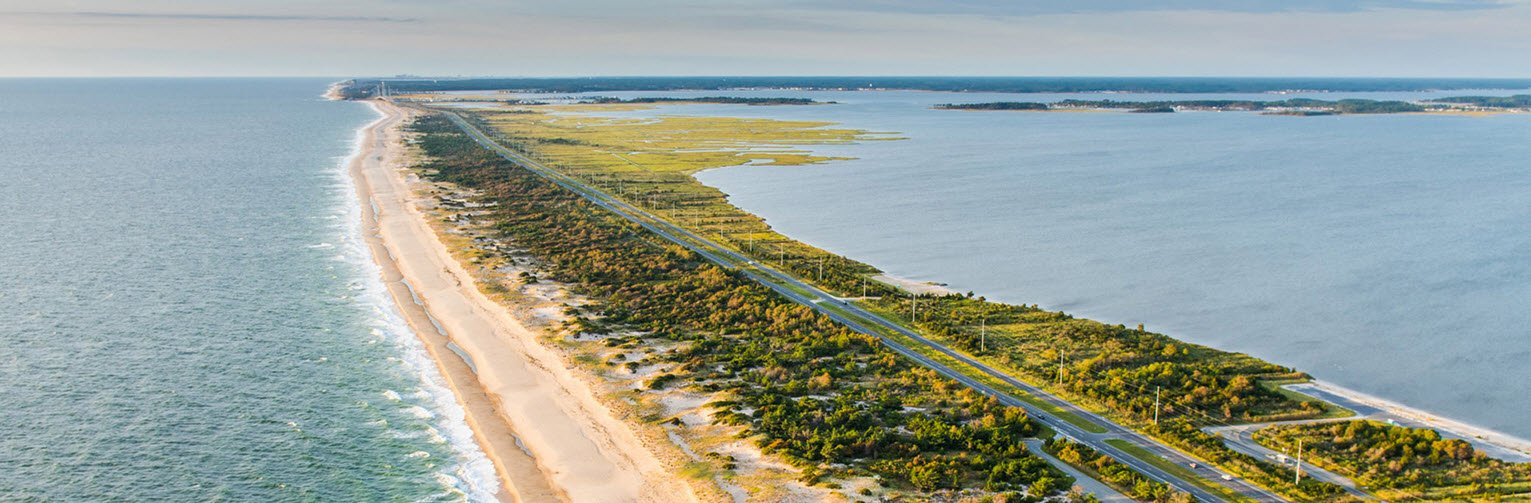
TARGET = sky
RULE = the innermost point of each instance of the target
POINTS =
(1401, 38)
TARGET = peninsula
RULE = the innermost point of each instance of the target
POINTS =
(735, 362)
(1295, 106)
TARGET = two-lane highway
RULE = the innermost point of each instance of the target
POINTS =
(870, 323)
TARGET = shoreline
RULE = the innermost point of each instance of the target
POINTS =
(1494, 443)
(517, 474)
(1491, 442)
(542, 427)
(1486, 439)
(1505, 446)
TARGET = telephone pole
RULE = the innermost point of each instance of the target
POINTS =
(1060, 368)
(821, 268)
(1156, 405)
(983, 332)
(1299, 471)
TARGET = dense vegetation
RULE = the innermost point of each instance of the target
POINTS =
(650, 163)
(1349, 106)
(958, 84)
(1516, 101)
(996, 105)
(1112, 472)
(1185, 434)
(1111, 368)
(1119, 370)
(1402, 462)
(832, 401)
(1115, 366)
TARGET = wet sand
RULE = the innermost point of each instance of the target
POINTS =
(548, 435)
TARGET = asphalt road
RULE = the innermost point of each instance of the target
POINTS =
(1240, 438)
(861, 320)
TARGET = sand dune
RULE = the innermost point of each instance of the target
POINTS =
(512, 386)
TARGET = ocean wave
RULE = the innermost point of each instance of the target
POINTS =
(472, 474)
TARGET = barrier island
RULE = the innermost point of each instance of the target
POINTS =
(1295, 106)
(741, 371)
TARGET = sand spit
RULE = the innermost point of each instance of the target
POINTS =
(1493, 443)
(913, 286)
(549, 436)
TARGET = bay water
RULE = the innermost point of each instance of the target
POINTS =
(1390, 254)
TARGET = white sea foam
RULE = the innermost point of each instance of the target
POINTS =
(391, 395)
(405, 434)
(472, 473)
(435, 435)
(420, 412)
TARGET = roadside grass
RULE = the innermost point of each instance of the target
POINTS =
(649, 164)
(1086, 469)
(1183, 472)
(973, 373)
(1331, 411)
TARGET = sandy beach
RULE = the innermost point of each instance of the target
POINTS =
(548, 435)
(1493, 443)
(540, 420)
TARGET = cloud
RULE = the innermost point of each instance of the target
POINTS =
(223, 17)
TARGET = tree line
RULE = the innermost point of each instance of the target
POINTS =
(1345, 106)
(1409, 463)
(832, 401)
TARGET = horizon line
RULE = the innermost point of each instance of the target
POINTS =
(697, 76)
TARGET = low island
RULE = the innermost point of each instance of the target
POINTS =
(1295, 106)
(748, 365)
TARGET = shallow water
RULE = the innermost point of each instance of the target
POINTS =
(186, 310)
(1390, 254)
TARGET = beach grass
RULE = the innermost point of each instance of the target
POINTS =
(1331, 410)
(1183, 472)
(650, 163)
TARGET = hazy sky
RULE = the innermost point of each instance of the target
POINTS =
(1462, 38)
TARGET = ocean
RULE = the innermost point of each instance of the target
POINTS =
(1390, 254)
(187, 312)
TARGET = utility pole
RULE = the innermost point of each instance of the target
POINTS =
(1298, 477)
(1060, 368)
(911, 307)
(821, 268)
(863, 287)
(1156, 405)
(983, 332)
